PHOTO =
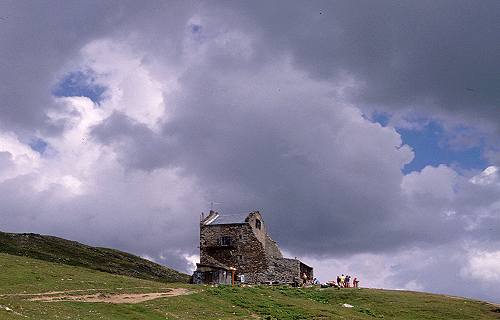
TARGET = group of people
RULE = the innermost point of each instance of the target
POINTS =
(344, 281)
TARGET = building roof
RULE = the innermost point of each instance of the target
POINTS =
(236, 218)
(211, 262)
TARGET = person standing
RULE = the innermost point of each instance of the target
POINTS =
(304, 277)
(355, 282)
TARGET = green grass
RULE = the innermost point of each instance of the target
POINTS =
(59, 250)
(21, 275)
(26, 275)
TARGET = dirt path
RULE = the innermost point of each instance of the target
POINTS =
(70, 291)
(110, 298)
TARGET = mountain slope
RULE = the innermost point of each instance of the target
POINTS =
(59, 250)
(23, 280)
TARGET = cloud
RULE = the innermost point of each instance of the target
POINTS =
(407, 55)
(488, 176)
(484, 266)
(82, 192)
(434, 182)
(271, 145)
(17, 158)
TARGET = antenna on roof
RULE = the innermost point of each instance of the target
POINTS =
(212, 204)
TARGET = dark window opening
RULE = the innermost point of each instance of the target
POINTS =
(225, 241)
(258, 224)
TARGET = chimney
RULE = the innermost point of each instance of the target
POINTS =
(211, 217)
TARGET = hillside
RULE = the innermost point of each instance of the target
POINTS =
(26, 283)
(59, 250)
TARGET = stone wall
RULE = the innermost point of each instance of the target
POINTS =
(272, 249)
(285, 270)
(280, 270)
(245, 252)
(261, 233)
(269, 244)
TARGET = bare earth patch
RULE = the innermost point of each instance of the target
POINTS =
(65, 291)
(112, 298)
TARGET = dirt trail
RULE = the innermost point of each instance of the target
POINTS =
(111, 298)
(70, 291)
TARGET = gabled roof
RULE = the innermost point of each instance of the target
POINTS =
(237, 218)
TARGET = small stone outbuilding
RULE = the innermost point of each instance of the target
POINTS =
(240, 243)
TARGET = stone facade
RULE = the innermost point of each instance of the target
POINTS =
(241, 242)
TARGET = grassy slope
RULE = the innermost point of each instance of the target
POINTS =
(55, 249)
(25, 275)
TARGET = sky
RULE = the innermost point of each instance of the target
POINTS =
(366, 132)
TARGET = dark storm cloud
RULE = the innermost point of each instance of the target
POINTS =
(402, 54)
(405, 54)
(314, 167)
(139, 147)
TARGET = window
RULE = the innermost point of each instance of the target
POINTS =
(258, 224)
(225, 241)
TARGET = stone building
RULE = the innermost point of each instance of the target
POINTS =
(240, 244)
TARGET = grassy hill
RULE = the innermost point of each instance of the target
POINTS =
(59, 250)
(22, 279)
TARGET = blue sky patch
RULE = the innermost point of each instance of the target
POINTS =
(430, 149)
(81, 84)
(430, 146)
(195, 28)
(38, 145)
(381, 117)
